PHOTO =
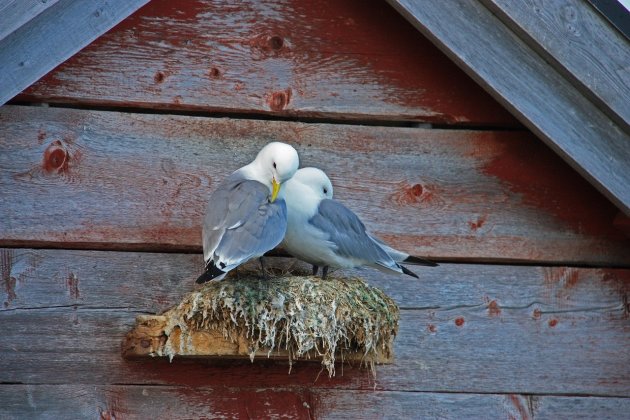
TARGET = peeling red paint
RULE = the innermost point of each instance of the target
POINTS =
(562, 277)
(478, 224)
(72, 284)
(619, 280)
(214, 73)
(553, 322)
(8, 280)
(432, 328)
(536, 314)
(517, 402)
(459, 321)
(524, 166)
(493, 308)
(159, 77)
(300, 43)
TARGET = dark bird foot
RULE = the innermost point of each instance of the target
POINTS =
(324, 272)
(315, 269)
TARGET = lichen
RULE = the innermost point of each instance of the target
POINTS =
(304, 315)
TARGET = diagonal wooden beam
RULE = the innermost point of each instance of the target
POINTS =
(50, 35)
(539, 95)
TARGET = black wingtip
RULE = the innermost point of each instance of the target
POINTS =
(409, 272)
(211, 272)
(420, 261)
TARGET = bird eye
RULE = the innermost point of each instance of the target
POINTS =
(325, 191)
(274, 165)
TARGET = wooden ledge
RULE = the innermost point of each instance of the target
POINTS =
(289, 317)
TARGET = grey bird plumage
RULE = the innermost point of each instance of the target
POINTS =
(324, 232)
(244, 219)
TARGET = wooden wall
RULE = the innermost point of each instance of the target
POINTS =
(103, 192)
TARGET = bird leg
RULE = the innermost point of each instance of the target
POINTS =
(262, 268)
(315, 269)
(324, 272)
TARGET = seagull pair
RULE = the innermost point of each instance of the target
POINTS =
(269, 202)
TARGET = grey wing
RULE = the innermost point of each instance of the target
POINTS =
(347, 232)
(241, 223)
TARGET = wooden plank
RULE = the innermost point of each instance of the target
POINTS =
(496, 329)
(53, 36)
(17, 13)
(531, 89)
(580, 44)
(173, 402)
(215, 56)
(64, 278)
(74, 178)
(341, 404)
(154, 402)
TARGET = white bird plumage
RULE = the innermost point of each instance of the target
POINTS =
(323, 232)
(244, 217)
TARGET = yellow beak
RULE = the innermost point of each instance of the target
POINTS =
(275, 189)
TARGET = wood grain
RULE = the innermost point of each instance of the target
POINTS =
(529, 330)
(171, 402)
(538, 95)
(580, 44)
(338, 404)
(46, 40)
(324, 58)
(84, 179)
(16, 13)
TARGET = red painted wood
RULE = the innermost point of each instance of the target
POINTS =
(74, 178)
(467, 328)
(339, 59)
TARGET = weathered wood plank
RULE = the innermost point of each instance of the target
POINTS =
(293, 57)
(52, 37)
(580, 43)
(341, 404)
(542, 99)
(16, 13)
(565, 352)
(150, 402)
(40, 279)
(171, 402)
(474, 328)
(73, 178)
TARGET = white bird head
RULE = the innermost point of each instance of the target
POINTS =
(315, 180)
(278, 162)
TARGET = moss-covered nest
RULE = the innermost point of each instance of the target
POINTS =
(301, 317)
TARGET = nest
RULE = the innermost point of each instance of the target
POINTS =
(290, 317)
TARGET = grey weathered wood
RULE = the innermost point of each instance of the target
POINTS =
(173, 402)
(329, 61)
(75, 178)
(542, 98)
(468, 328)
(580, 44)
(338, 404)
(94, 279)
(53, 36)
(150, 402)
(16, 13)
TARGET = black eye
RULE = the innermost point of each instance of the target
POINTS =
(325, 191)
(274, 165)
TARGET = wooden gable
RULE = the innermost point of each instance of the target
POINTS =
(106, 164)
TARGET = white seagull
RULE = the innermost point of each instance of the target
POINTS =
(244, 217)
(324, 232)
